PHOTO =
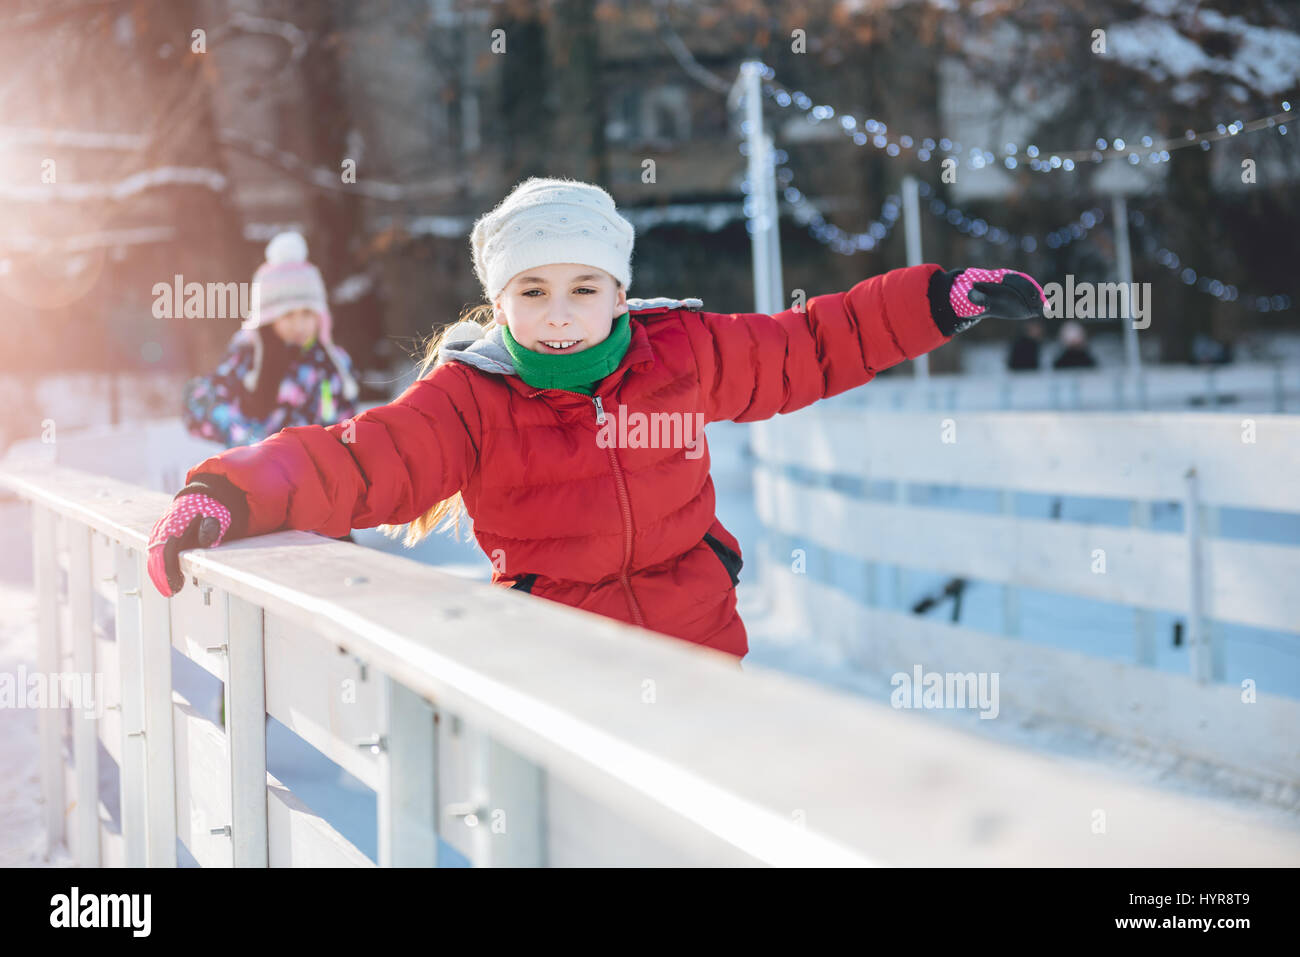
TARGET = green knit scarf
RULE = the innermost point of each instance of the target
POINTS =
(578, 372)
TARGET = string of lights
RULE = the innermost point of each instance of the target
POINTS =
(1157, 149)
(1223, 291)
(879, 229)
(837, 239)
(807, 214)
(848, 243)
(1071, 232)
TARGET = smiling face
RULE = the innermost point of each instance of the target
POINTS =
(297, 327)
(560, 303)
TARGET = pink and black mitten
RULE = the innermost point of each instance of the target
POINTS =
(960, 298)
(192, 521)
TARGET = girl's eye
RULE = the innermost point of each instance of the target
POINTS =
(587, 289)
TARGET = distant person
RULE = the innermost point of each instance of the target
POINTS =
(282, 367)
(1074, 354)
(1024, 354)
(1208, 351)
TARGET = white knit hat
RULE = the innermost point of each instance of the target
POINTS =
(544, 221)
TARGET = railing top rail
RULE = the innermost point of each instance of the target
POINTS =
(1104, 454)
(648, 725)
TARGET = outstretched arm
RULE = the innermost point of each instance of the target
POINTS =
(754, 366)
(388, 465)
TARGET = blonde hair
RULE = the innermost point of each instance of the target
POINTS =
(449, 510)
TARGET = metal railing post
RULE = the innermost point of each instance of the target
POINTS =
(912, 237)
(766, 236)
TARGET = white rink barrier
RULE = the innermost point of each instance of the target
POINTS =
(1204, 461)
(519, 731)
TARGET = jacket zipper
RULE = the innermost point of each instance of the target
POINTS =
(623, 503)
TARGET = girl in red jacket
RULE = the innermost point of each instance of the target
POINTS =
(565, 418)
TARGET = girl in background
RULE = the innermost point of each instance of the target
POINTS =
(282, 367)
(519, 415)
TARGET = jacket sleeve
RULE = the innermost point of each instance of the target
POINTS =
(754, 366)
(388, 465)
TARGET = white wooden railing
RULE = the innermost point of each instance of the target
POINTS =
(516, 730)
(1255, 386)
(1204, 461)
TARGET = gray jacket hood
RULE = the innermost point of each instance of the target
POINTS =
(468, 342)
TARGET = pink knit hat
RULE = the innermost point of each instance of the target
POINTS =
(288, 281)
(285, 282)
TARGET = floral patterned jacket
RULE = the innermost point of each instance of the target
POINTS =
(318, 388)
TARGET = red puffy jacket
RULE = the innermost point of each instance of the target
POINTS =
(626, 530)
